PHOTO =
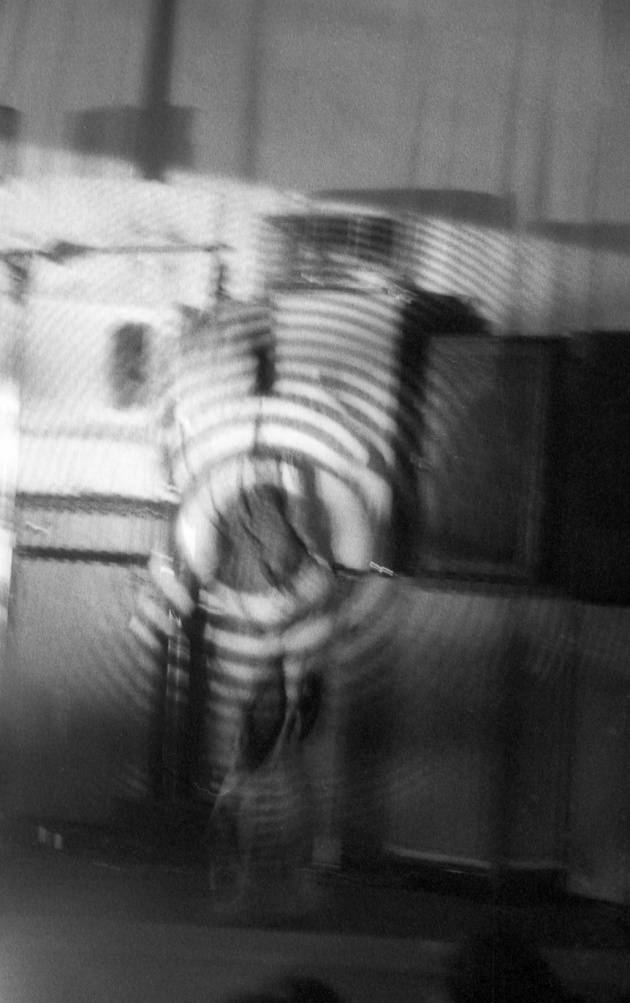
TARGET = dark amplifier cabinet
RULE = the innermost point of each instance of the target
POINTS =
(593, 469)
(78, 698)
(483, 486)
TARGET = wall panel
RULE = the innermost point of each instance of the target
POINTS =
(435, 126)
(613, 197)
(339, 98)
(105, 55)
(487, 95)
(74, 56)
(211, 75)
(484, 63)
(577, 96)
(530, 122)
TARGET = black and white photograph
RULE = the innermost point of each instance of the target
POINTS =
(314, 501)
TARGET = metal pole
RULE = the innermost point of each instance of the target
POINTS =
(155, 122)
(12, 319)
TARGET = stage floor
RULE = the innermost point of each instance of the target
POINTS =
(88, 923)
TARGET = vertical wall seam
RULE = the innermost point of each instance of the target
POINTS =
(250, 155)
(508, 188)
(545, 131)
(595, 174)
(416, 143)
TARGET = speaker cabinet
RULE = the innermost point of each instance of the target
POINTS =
(593, 467)
(482, 488)
(79, 699)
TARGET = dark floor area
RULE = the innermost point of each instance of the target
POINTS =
(149, 879)
(163, 858)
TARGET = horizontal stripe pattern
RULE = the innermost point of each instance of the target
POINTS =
(346, 344)
(340, 380)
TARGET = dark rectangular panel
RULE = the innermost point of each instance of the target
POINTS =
(594, 469)
(482, 491)
(78, 525)
(79, 697)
